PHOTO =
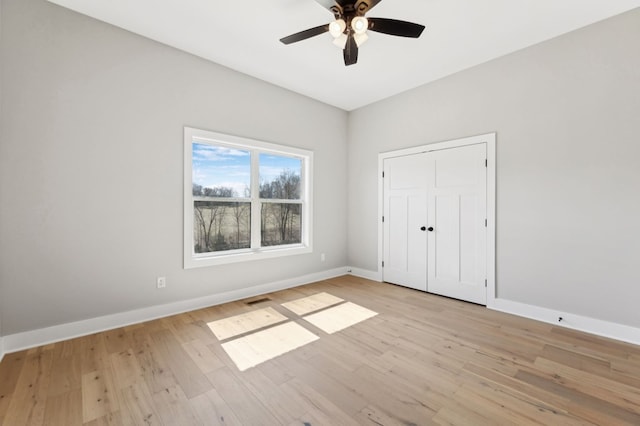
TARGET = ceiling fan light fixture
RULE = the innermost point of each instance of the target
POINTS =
(337, 27)
(360, 38)
(360, 24)
(341, 41)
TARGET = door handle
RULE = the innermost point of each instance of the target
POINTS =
(431, 229)
(423, 228)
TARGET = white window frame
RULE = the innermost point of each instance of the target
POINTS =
(194, 260)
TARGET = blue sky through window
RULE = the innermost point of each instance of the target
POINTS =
(272, 165)
(218, 166)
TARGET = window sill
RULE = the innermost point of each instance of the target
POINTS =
(245, 256)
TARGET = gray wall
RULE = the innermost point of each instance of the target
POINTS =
(91, 167)
(566, 113)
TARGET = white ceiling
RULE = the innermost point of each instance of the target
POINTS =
(243, 35)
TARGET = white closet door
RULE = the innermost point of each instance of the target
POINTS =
(457, 236)
(405, 213)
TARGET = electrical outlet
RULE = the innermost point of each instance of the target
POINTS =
(322, 257)
(161, 282)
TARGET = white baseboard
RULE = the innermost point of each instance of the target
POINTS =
(34, 338)
(365, 273)
(598, 327)
(44, 336)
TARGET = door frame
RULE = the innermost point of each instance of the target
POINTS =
(490, 140)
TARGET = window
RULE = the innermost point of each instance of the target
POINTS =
(244, 199)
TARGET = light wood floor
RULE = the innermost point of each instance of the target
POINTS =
(423, 360)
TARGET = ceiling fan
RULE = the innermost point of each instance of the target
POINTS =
(349, 30)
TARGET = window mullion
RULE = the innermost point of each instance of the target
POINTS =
(256, 206)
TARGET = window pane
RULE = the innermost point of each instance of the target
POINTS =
(281, 224)
(220, 226)
(219, 171)
(280, 177)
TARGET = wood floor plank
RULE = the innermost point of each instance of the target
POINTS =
(155, 370)
(137, 407)
(582, 404)
(210, 409)
(619, 394)
(117, 340)
(422, 360)
(626, 367)
(271, 396)
(374, 416)
(241, 324)
(190, 331)
(10, 370)
(600, 345)
(30, 395)
(64, 409)
(325, 382)
(523, 408)
(111, 419)
(66, 372)
(516, 385)
(98, 395)
(587, 363)
(238, 398)
(311, 303)
(275, 373)
(409, 407)
(206, 360)
(173, 407)
(192, 381)
(93, 353)
(318, 405)
(126, 368)
(580, 361)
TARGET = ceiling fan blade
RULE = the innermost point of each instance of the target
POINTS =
(395, 27)
(303, 35)
(350, 51)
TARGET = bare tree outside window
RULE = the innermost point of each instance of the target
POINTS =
(220, 225)
(281, 221)
(222, 219)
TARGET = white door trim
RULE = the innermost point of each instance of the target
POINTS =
(490, 140)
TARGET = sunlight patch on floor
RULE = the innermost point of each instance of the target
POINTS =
(312, 303)
(261, 346)
(258, 336)
(340, 317)
(244, 323)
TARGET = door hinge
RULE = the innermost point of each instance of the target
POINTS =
(485, 223)
(383, 174)
(486, 162)
(382, 219)
(383, 263)
(485, 283)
